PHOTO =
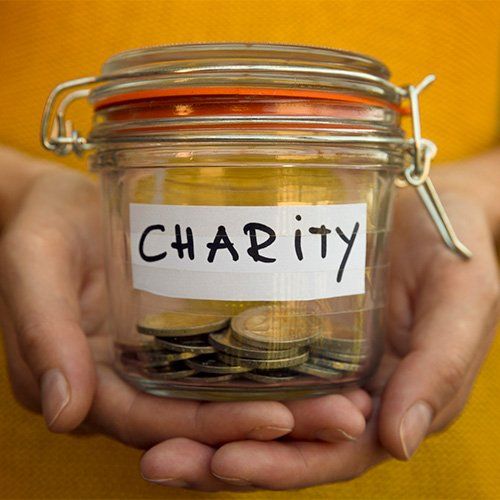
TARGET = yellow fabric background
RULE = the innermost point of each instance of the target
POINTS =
(43, 43)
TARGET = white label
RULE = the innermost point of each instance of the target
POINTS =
(290, 252)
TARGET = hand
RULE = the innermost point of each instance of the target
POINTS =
(441, 317)
(52, 312)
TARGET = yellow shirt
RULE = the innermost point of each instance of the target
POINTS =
(43, 43)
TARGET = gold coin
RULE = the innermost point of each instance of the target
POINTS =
(338, 337)
(264, 364)
(174, 324)
(335, 365)
(270, 376)
(348, 346)
(209, 377)
(227, 343)
(196, 345)
(159, 358)
(338, 355)
(317, 371)
(271, 327)
(172, 371)
(211, 364)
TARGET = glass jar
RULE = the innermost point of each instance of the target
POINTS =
(248, 191)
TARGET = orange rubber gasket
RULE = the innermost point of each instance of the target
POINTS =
(199, 91)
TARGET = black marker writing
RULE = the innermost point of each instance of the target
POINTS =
(298, 241)
(323, 231)
(350, 243)
(150, 258)
(262, 244)
(221, 241)
(254, 250)
(180, 246)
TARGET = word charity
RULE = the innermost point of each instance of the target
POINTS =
(260, 243)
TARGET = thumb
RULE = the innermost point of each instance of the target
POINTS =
(454, 313)
(40, 290)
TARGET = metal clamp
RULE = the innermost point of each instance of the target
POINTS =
(58, 134)
(422, 152)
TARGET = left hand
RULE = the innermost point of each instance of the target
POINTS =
(58, 351)
(441, 317)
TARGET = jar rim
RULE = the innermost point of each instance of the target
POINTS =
(244, 65)
(136, 59)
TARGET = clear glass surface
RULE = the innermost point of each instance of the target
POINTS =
(347, 330)
(224, 126)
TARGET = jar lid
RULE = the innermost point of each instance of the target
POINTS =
(140, 88)
(312, 56)
(245, 69)
(143, 80)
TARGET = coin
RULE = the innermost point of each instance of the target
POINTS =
(317, 371)
(175, 370)
(227, 343)
(196, 345)
(264, 364)
(270, 376)
(158, 358)
(335, 365)
(174, 324)
(346, 345)
(270, 327)
(211, 364)
(338, 356)
(210, 377)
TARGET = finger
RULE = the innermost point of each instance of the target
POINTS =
(22, 382)
(362, 400)
(330, 418)
(452, 326)
(296, 464)
(143, 420)
(39, 289)
(182, 463)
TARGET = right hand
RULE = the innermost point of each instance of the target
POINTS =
(53, 314)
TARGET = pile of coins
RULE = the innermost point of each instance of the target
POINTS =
(261, 344)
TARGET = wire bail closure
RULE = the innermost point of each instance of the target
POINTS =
(422, 152)
(62, 139)
(57, 134)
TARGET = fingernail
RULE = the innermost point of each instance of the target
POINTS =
(414, 427)
(168, 481)
(55, 395)
(235, 481)
(267, 432)
(334, 435)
